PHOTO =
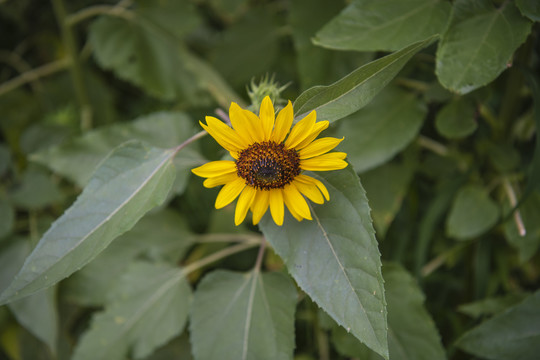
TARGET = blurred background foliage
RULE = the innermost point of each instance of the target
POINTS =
(443, 160)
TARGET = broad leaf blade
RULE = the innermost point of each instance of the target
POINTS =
(334, 258)
(243, 316)
(355, 90)
(148, 307)
(374, 25)
(479, 43)
(131, 181)
(513, 334)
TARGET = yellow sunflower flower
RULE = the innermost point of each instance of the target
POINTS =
(267, 171)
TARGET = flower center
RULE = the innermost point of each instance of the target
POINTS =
(268, 165)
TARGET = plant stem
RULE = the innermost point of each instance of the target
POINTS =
(513, 202)
(260, 256)
(216, 238)
(433, 145)
(197, 136)
(112, 10)
(75, 66)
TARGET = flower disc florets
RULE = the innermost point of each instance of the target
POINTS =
(268, 165)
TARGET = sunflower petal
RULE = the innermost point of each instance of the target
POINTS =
(267, 116)
(326, 162)
(223, 134)
(283, 123)
(242, 124)
(315, 131)
(310, 190)
(319, 147)
(215, 168)
(301, 130)
(296, 202)
(276, 206)
(260, 205)
(243, 204)
(309, 180)
(219, 180)
(229, 192)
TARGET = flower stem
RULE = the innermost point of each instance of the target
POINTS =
(197, 136)
(513, 202)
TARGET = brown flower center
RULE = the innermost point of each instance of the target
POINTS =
(268, 165)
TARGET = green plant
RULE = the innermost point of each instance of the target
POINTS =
(110, 249)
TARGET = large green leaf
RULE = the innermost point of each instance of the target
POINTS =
(529, 8)
(382, 129)
(479, 43)
(36, 190)
(148, 307)
(355, 90)
(7, 217)
(456, 119)
(77, 159)
(243, 316)
(162, 235)
(131, 181)
(373, 25)
(513, 334)
(493, 305)
(411, 331)
(472, 213)
(334, 258)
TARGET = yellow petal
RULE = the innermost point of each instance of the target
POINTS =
(319, 147)
(301, 130)
(242, 124)
(215, 168)
(229, 192)
(267, 116)
(326, 162)
(276, 206)
(283, 123)
(310, 190)
(244, 203)
(220, 180)
(223, 134)
(309, 180)
(296, 202)
(315, 131)
(260, 205)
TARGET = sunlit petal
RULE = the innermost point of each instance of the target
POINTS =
(309, 180)
(310, 190)
(283, 123)
(276, 206)
(260, 205)
(267, 116)
(295, 201)
(229, 192)
(220, 180)
(319, 147)
(244, 203)
(315, 131)
(301, 130)
(215, 168)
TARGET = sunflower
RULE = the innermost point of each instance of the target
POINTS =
(268, 165)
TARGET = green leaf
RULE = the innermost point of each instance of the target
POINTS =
(162, 236)
(37, 313)
(530, 213)
(243, 316)
(374, 25)
(456, 119)
(7, 217)
(5, 159)
(36, 190)
(386, 186)
(472, 213)
(355, 90)
(148, 307)
(78, 158)
(491, 306)
(131, 181)
(411, 331)
(382, 129)
(334, 258)
(529, 8)
(513, 334)
(479, 44)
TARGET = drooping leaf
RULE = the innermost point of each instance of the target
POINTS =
(472, 213)
(162, 236)
(131, 181)
(77, 159)
(243, 316)
(527, 244)
(411, 331)
(386, 187)
(334, 258)
(36, 190)
(148, 307)
(7, 217)
(456, 119)
(382, 129)
(355, 90)
(388, 25)
(513, 334)
(479, 43)
(37, 313)
(529, 8)
(492, 306)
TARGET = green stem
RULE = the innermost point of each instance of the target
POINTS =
(112, 10)
(75, 66)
